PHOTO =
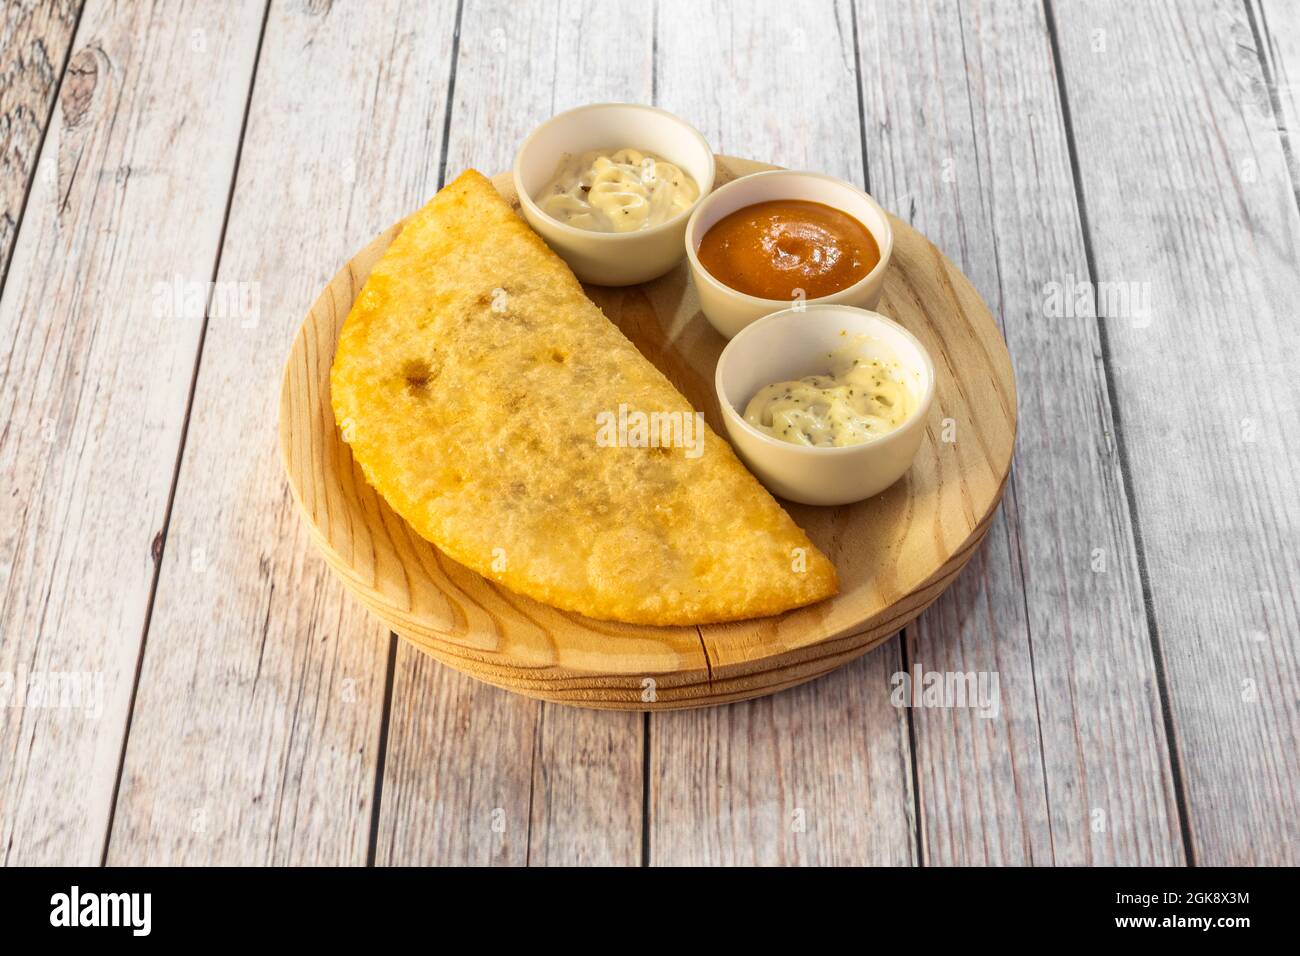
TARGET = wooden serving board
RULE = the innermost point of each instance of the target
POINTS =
(895, 553)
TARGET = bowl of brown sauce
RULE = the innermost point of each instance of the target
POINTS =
(779, 239)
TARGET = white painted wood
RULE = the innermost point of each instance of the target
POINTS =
(274, 743)
(1276, 35)
(821, 773)
(94, 384)
(459, 772)
(34, 40)
(965, 138)
(474, 774)
(1186, 190)
(587, 795)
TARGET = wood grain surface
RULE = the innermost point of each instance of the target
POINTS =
(1275, 35)
(93, 391)
(253, 712)
(973, 149)
(35, 39)
(1189, 198)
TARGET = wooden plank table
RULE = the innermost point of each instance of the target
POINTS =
(178, 181)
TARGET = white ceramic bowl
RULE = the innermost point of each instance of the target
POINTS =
(604, 258)
(728, 310)
(793, 343)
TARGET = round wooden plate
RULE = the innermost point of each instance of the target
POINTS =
(895, 553)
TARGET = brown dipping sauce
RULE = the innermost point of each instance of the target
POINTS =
(772, 248)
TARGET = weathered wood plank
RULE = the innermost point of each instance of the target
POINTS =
(94, 385)
(965, 138)
(476, 775)
(271, 754)
(1185, 186)
(1276, 31)
(821, 773)
(587, 789)
(35, 37)
(816, 775)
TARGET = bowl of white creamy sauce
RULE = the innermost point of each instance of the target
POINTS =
(617, 190)
(826, 404)
(648, 171)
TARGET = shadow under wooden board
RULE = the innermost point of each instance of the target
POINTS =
(895, 553)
